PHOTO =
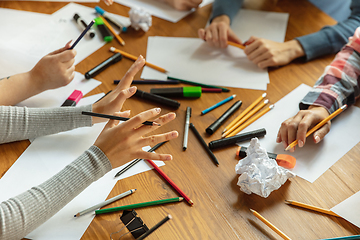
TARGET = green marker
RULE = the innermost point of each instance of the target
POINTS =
(192, 92)
(198, 84)
(105, 33)
(139, 205)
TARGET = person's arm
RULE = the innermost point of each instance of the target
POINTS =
(336, 87)
(183, 5)
(331, 39)
(225, 7)
(54, 70)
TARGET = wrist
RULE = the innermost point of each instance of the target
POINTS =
(222, 18)
(296, 49)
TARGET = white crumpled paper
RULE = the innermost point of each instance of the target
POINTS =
(259, 173)
(140, 19)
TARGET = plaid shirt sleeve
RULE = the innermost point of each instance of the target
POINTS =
(339, 84)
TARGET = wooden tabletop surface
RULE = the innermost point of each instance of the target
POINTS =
(221, 210)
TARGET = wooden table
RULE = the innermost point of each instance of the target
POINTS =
(221, 210)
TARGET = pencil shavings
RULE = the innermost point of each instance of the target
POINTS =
(259, 173)
(140, 19)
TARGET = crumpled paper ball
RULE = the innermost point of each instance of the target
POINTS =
(140, 19)
(259, 173)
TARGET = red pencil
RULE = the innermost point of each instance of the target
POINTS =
(170, 181)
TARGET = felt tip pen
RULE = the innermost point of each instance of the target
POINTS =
(82, 34)
(102, 66)
(151, 82)
(158, 99)
(192, 92)
(73, 99)
(111, 18)
(83, 25)
(218, 104)
(105, 33)
(186, 129)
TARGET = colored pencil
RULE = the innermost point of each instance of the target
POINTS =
(307, 206)
(319, 125)
(203, 143)
(116, 118)
(246, 117)
(170, 181)
(270, 225)
(82, 34)
(236, 45)
(151, 230)
(245, 112)
(239, 129)
(218, 104)
(138, 160)
(353, 237)
(198, 84)
(132, 57)
(107, 24)
(139, 205)
(154, 82)
(99, 205)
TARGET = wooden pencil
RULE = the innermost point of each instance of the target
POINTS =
(310, 207)
(319, 125)
(132, 57)
(236, 45)
(270, 225)
(107, 24)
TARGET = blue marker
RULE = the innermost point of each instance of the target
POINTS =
(110, 18)
(218, 104)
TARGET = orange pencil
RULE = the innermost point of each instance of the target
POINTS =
(249, 115)
(236, 45)
(244, 112)
(107, 24)
(307, 206)
(132, 57)
(239, 129)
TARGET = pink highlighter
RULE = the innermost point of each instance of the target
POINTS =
(73, 99)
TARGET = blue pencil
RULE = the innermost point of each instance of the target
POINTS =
(218, 104)
(82, 34)
(344, 238)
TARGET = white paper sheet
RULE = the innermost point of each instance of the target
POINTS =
(313, 159)
(160, 9)
(192, 59)
(349, 209)
(57, 0)
(45, 157)
(56, 97)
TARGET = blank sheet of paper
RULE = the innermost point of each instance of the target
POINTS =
(192, 59)
(45, 157)
(312, 160)
(160, 9)
(349, 209)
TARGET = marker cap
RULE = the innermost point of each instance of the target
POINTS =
(99, 10)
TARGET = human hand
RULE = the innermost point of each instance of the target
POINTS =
(218, 33)
(123, 142)
(183, 5)
(109, 2)
(296, 127)
(54, 70)
(267, 53)
(113, 102)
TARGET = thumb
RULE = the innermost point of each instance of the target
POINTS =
(67, 46)
(233, 38)
(251, 40)
(320, 133)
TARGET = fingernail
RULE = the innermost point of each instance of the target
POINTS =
(168, 158)
(278, 139)
(127, 111)
(174, 134)
(284, 144)
(132, 89)
(171, 116)
(317, 139)
(292, 149)
(158, 110)
(300, 143)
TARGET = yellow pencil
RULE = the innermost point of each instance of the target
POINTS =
(107, 24)
(319, 125)
(307, 206)
(132, 57)
(247, 116)
(236, 45)
(244, 112)
(270, 225)
(239, 129)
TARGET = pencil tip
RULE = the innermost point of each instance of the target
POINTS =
(287, 201)
(252, 210)
(191, 202)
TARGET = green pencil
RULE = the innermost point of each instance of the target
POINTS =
(198, 84)
(139, 205)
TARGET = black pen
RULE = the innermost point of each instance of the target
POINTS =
(82, 34)
(158, 99)
(138, 159)
(116, 118)
(186, 129)
(151, 82)
(203, 143)
(82, 24)
(99, 68)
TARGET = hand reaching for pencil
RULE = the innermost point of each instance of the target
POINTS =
(124, 142)
(296, 127)
(218, 33)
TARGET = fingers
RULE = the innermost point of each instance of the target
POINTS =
(130, 74)
(320, 133)
(223, 37)
(233, 38)
(66, 56)
(162, 120)
(137, 120)
(201, 33)
(67, 46)
(124, 94)
(155, 139)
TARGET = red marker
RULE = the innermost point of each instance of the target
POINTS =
(73, 99)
